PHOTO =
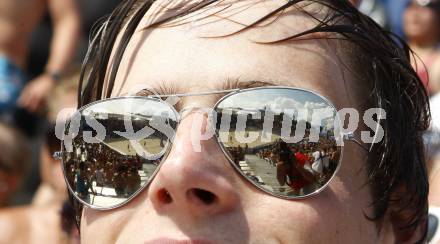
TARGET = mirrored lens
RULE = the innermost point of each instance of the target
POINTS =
(283, 140)
(116, 148)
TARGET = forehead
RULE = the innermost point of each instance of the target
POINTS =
(192, 57)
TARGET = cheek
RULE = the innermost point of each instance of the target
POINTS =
(103, 226)
(300, 221)
(337, 213)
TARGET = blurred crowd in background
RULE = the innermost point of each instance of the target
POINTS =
(42, 46)
(41, 49)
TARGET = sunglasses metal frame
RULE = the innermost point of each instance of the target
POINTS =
(158, 98)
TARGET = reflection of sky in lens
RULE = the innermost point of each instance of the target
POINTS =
(298, 98)
(278, 100)
(132, 106)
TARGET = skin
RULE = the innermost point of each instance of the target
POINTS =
(178, 57)
(18, 19)
(420, 24)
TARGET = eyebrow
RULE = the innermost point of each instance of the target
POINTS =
(164, 90)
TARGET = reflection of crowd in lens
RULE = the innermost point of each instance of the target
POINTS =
(98, 165)
(237, 154)
(302, 166)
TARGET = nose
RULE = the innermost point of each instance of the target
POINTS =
(194, 180)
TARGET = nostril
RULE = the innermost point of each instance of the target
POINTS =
(164, 196)
(205, 196)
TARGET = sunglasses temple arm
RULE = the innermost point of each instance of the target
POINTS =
(350, 137)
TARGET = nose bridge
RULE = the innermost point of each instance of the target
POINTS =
(194, 177)
(196, 127)
(190, 105)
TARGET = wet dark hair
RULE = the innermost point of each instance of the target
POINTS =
(396, 166)
(67, 215)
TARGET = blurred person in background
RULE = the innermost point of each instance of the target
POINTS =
(434, 150)
(14, 161)
(39, 52)
(52, 187)
(17, 21)
(421, 25)
(432, 140)
(49, 208)
(421, 21)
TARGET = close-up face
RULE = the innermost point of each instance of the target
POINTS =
(420, 21)
(226, 122)
(175, 206)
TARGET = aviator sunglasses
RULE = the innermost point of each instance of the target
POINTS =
(285, 141)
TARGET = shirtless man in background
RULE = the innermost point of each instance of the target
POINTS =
(41, 221)
(18, 18)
